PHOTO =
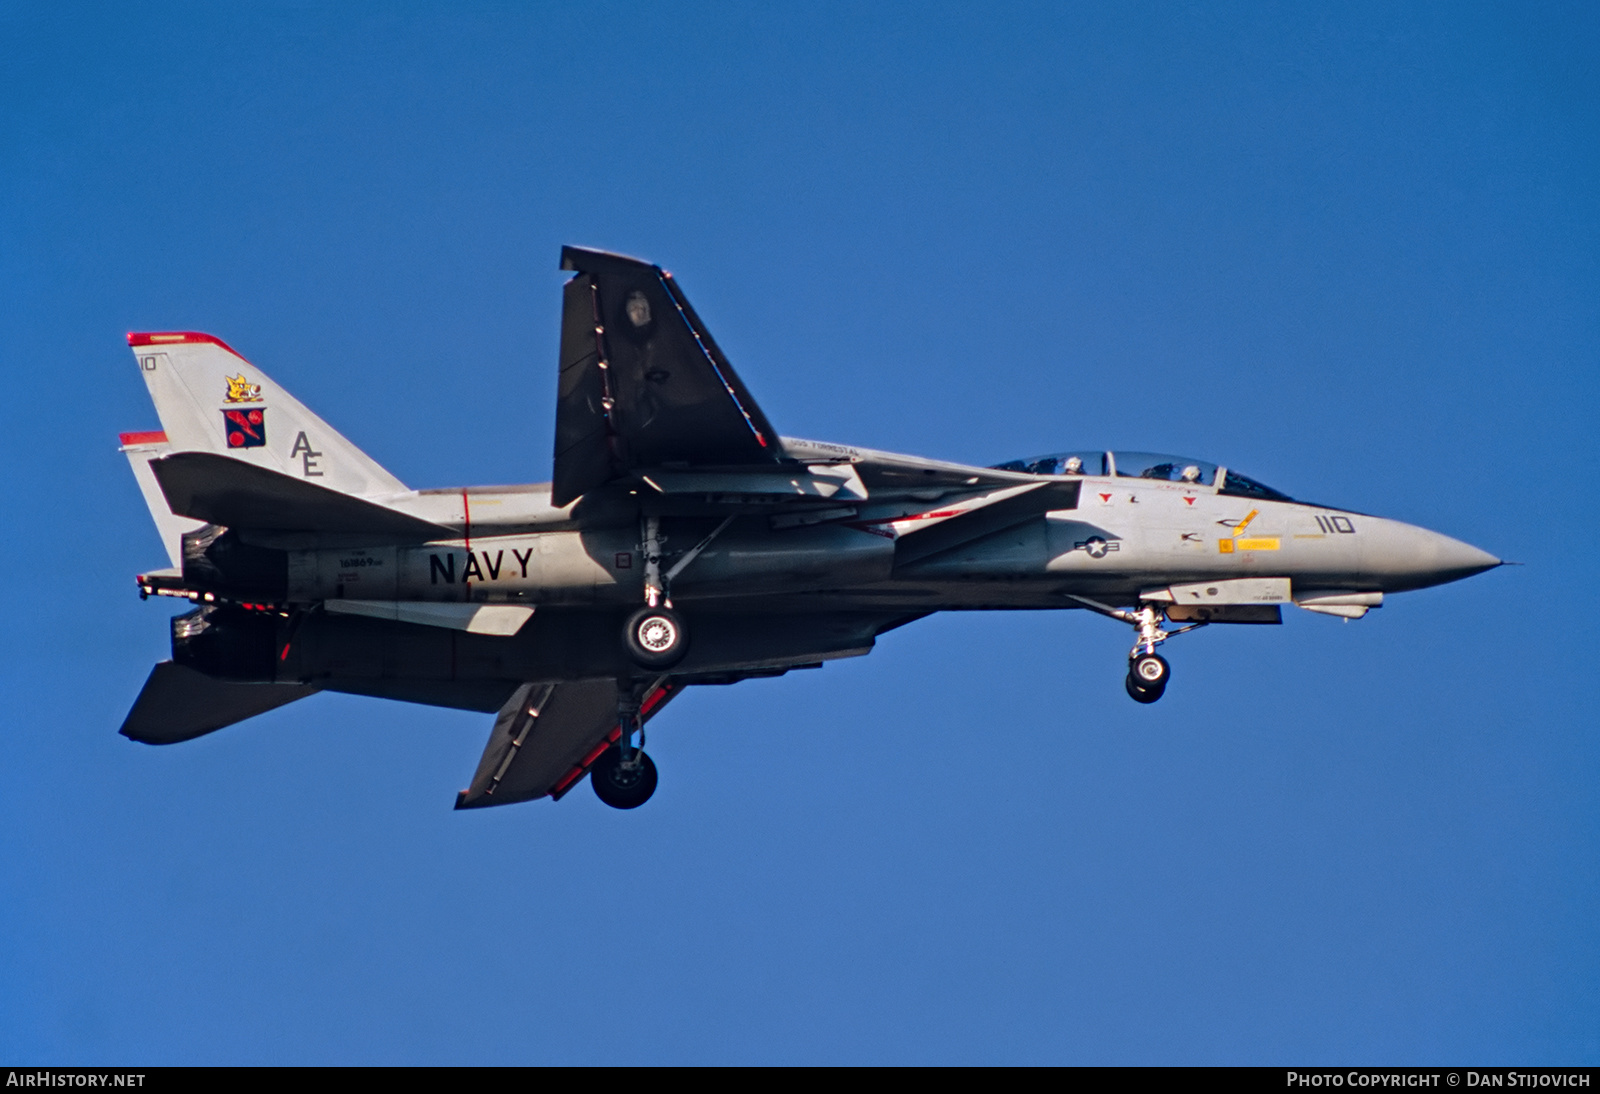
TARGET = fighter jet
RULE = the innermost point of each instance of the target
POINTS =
(681, 542)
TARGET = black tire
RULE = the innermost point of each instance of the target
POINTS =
(1151, 671)
(1142, 694)
(656, 637)
(619, 788)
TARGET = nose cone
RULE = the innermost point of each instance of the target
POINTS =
(1402, 556)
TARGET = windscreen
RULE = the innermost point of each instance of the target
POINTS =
(1239, 486)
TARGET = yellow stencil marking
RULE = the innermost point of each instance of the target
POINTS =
(1262, 543)
(1226, 545)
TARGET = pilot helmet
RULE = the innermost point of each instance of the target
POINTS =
(1073, 466)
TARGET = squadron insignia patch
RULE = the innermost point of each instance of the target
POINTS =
(241, 391)
(245, 428)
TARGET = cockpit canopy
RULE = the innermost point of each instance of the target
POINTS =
(1145, 465)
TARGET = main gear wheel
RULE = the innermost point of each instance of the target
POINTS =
(656, 637)
(623, 785)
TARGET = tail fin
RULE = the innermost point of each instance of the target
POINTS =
(141, 448)
(210, 399)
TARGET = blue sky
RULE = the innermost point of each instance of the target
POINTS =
(1350, 251)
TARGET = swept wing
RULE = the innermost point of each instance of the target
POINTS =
(643, 384)
(546, 737)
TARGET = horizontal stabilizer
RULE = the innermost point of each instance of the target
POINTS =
(483, 696)
(493, 619)
(225, 491)
(180, 704)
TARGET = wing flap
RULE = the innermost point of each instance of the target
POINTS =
(179, 704)
(483, 696)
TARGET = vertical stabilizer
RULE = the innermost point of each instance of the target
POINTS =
(210, 399)
(140, 449)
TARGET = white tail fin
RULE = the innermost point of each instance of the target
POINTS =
(141, 448)
(210, 399)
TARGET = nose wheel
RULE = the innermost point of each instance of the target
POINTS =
(1147, 677)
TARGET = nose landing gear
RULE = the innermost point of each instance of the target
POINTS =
(1148, 671)
(1148, 674)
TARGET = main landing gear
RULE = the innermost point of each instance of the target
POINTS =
(624, 777)
(623, 784)
(1148, 671)
(656, 638)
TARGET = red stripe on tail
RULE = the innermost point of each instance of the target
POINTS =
(178, 337)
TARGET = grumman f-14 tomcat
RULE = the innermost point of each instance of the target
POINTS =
(681, 541)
